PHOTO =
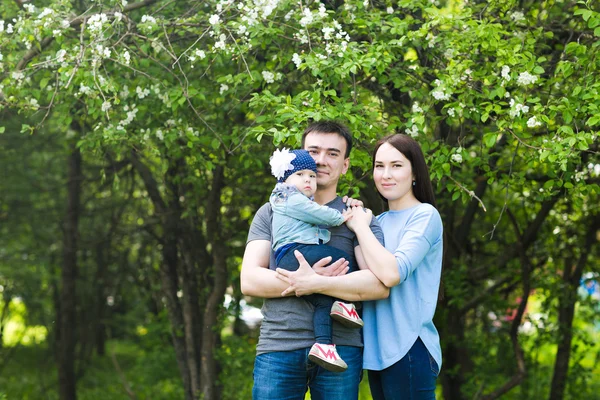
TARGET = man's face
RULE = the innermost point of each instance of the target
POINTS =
(328, 150)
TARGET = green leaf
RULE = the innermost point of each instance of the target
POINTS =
(593, 120)
(2, 129)
(44, 83)
(489, 139)
(215, 144)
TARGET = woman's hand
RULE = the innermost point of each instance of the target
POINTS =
(350, 202)
(305, 280)
(338, 268)
(359, 218)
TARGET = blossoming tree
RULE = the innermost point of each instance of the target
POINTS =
(502, 95)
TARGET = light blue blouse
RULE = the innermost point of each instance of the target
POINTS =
(392, 325)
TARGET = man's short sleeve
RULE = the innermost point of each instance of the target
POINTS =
(376, 229)
(260, 229)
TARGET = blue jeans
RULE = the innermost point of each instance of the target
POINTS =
(286, 375)
(322, 303)
(411, 378)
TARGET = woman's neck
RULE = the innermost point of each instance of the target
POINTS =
(403, 203)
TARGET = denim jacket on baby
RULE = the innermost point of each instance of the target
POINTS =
(295, 217)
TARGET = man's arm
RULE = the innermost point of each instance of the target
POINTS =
(256, 278)
(357, 286)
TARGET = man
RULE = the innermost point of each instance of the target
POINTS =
(282, 369)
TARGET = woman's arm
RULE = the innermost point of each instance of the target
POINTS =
(381, 262)
(357, 286)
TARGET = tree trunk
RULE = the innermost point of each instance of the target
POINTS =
(67, 316)
(170, 220)
(210, 336)
(566, 311)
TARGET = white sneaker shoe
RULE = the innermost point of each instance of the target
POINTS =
(326, 356)
(345, 313)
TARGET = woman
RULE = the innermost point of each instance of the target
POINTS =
(402, 347)
(402, 350)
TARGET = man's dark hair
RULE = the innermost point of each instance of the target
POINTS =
(330, 127)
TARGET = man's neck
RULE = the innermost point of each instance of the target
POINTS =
(324, 196)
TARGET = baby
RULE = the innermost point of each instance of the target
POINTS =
(296, 221)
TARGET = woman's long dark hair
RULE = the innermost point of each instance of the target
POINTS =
(422, 189)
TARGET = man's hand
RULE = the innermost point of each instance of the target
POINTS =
(360, 218)
(305, 280)
(350, 202)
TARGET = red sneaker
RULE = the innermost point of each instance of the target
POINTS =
(326, 356)
(345, 313)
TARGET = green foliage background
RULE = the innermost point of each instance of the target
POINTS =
(502, 95)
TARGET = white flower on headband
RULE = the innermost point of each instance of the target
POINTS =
(281, 161)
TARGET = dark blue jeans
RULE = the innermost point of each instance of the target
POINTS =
(411, 378)
(286, 375)
(322, 303)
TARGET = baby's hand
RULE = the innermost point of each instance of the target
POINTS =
(347, 214)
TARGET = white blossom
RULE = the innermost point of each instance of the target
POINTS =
(45, 12)
(159, 134)
(127, 57)
(416, 108)
(214, 19)
(29, 7)
(84, 89)
(517, 109)
(327, 31)
(506, 73)
(221, 43)
(268, 76)
(141, 93)
(390, 10)
(18, 75)
(525, 78)
(106, 106)
(440, 94)
(118, 16)
(322, 10)
(148, 18)
(34, 104)
(1, 25)
(223, 88)
(60, 55)
(412, 131)
(451, 112)
(297, 60)
(517, 16)
(65, 23)
(533, 122)
(457, 158)
(9, 28)
(307, 18)
(95, 22)
(200, 54)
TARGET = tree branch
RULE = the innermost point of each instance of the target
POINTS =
(74, 23)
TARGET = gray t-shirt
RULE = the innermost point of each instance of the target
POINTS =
(288, 321)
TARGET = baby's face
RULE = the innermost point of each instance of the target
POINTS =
(305, 181)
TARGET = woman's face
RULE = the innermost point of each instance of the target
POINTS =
(393, 176)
